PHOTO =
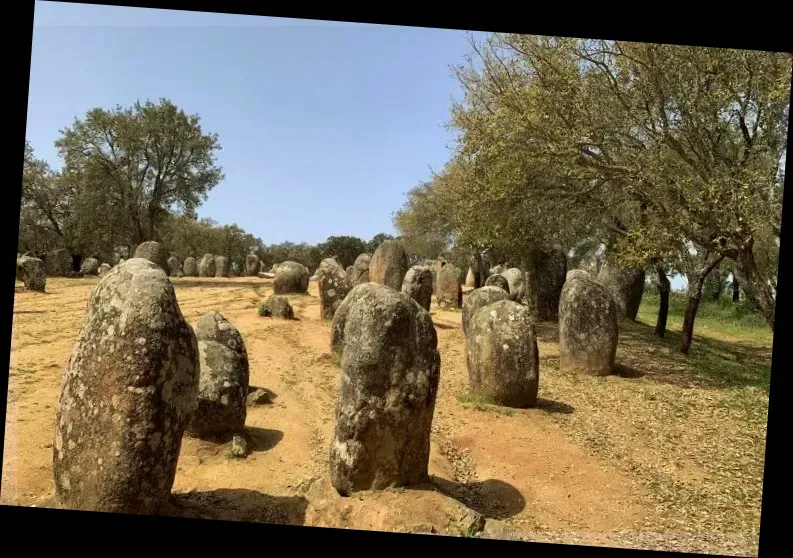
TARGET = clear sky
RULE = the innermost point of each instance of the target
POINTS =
(324, 126)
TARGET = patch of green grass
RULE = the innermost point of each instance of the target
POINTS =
(480, 403)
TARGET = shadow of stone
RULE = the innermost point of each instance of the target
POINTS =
(550, 406)
(263, 439)
(441, 325)
(625, 371)
(239, 504)
(493, 499)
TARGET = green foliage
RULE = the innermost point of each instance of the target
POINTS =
(139, 165)
(346, 248)
(376, 241)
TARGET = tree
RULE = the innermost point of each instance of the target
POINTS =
(147, 161)
(648, 147)
(376, 241)
(346, 248)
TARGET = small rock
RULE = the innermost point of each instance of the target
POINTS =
(239, 446)
(473, 522)
(259, 397)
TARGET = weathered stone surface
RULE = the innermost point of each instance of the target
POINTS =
(277, 307)
(389, 265)
(234, 269)
(418, 285)
(258, 397)
(333, 287)
(154, 252)
(174, 266)
(498, 270)
(252, 265)
(517, 285)
(577, 274)
(120, 253)
(57, 263)
(128, 393)
(387, 347)
(479, 298)
(503, 360)
(588, 328)
(206, 267)
(449, 292)
(435, 267)
(545, 282)
(497, 280)
(626, 287)
(470, 278)
(358, 272)
(31, 272)
(221, 266)
(89, 266)
(291, 277)
(223, 385)
(267, 275)
(103, 269)
(190, 267)
(239, 446)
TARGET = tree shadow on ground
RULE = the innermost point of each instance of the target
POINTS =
(711, 363)
(263, 439)
(550, 406)
(239, 504)
(494, 499)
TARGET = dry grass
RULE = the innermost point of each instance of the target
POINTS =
(691, 428)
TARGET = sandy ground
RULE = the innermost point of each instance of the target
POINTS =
(520, 470)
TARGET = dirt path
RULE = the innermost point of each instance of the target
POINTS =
(518, 469)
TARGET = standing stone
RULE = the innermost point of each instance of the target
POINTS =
(103, 269)
(449, 292)
(190, 267)
(388, 351)
(479, 298)
(389, 265)
(497, 280)
(470, 278)
(206, 267)
(221, 266)
(30, 271)
(277, 306)
(626, 287)
(252, 265)
(291, 278)
(577, 274)
(234, 269)
(546, 280)
(358, 272)
(418, 285)
(223, 384)
(58, 263)
(332, 284)
(503, 360)
(154, 252)
(436, 269)
(120, 253)
(588, 329)
(174, 266)
(129, 391)
(498, 270)
(89, 266)
(517, 287)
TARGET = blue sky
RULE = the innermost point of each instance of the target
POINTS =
(324, 126)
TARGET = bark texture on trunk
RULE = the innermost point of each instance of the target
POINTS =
(664, 286)
(695, 283)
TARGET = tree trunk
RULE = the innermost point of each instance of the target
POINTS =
(736, 288)
(754, 286)
(695, 283)
(664, 286)
(478, 269)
